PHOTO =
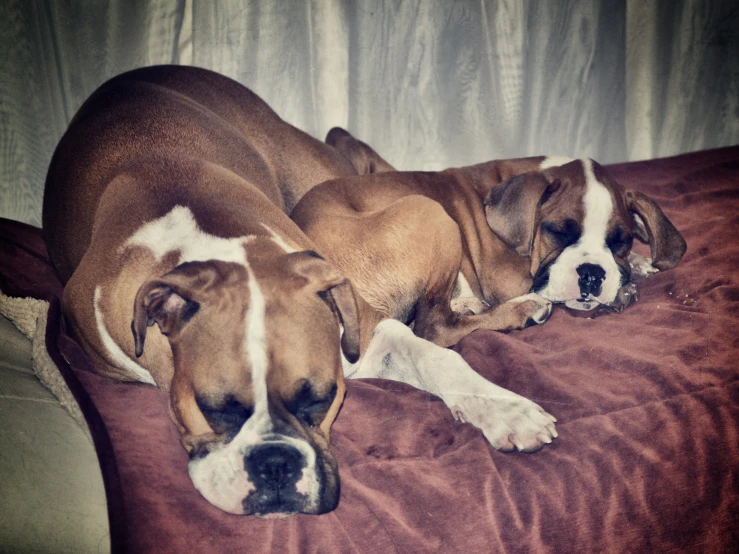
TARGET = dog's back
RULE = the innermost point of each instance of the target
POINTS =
(168, 112)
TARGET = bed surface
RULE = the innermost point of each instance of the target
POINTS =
(647, 458)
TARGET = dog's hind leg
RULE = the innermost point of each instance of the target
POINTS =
(394, 255)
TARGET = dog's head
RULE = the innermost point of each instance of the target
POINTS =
(577, 225)
(258, 376)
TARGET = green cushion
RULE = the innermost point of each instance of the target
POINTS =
(52, 497)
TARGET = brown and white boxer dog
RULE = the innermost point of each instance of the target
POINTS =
(490, 246)
(165, 216)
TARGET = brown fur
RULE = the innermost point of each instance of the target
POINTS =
(419, 230)
(160, 137)
(402, 238)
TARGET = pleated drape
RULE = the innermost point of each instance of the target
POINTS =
(429, 84)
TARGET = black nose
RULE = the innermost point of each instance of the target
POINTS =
(274, 465)
(591, 278)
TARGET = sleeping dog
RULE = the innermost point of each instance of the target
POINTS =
(165, 215)
(489, 246)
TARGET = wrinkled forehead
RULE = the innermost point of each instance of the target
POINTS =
(302, 340)
(272, 344)
(586, 186)
(291, 329)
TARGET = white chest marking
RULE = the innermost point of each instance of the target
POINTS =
(178, 231)
(462, 289)
(119, 358)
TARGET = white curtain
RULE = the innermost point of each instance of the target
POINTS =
(429, 84)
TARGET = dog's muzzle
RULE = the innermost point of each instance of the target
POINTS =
(266, 475)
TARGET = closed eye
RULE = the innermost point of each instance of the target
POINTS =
(619, 242)
(566, 233)
(308, 406)
(226, 417)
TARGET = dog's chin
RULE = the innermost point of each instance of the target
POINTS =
(582, 305)
(276, 515)
(591, 307)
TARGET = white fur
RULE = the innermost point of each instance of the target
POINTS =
(505, 418)
(179, 231)
(256, 352)
(115, 353)
(464, 299)
(220, 476)
(591, 248)
(554, 161)
(545, 306)
(279, 241)
(641, 267)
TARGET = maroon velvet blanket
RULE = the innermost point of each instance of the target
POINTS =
(648, 404)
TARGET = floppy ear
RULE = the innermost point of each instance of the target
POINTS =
(336, 288)
(364, 159)
(652, 227)
(512, 208)
(168, 300)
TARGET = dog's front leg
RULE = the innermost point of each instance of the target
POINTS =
(508, 420)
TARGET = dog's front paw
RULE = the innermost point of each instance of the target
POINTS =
(641, 267)
(532, 309)
(509, 421)
(468, 305)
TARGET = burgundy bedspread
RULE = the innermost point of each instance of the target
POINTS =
(647, 458)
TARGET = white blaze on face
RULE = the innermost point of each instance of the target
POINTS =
(590, 249)
(256, 352)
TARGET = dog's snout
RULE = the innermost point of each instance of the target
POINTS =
(274, 465)
(591, 279)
